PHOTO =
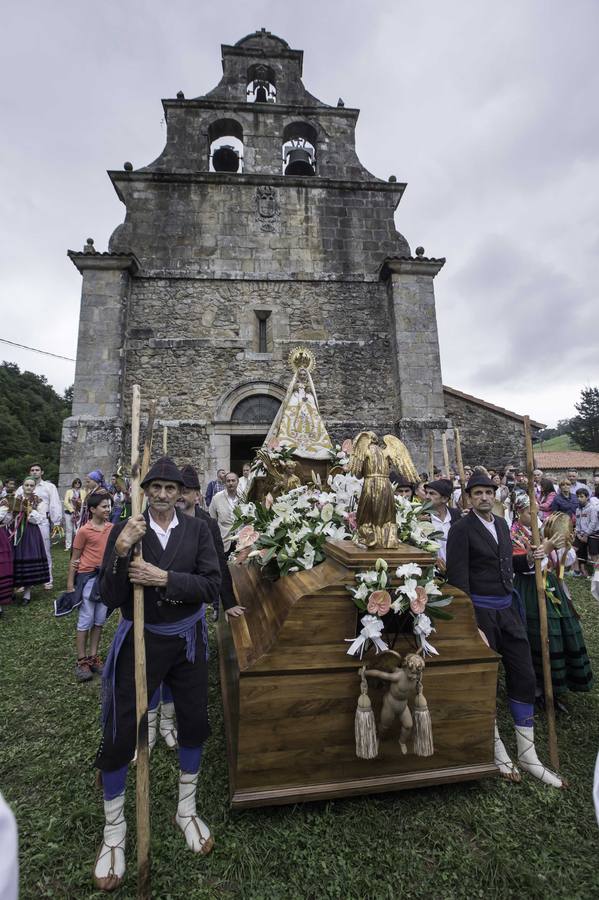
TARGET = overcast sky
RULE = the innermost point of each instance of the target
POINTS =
(488, 110)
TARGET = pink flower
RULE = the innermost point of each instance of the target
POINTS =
(352, 521)
(247, 536)
(379, 603)
(347, 445)
(418, 604)
(269, 500)
(273, 445)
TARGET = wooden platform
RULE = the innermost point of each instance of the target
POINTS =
(290, 690)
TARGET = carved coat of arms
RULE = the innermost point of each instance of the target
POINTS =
(267, 208)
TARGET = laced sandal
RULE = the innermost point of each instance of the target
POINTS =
(530, 762)
(507, 768)
(109, 868)
(196, 832)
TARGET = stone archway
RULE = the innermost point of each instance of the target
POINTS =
(242, 419)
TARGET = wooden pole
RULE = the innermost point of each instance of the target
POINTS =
(147, 454)
(534, 527)
(141, 689)
(460, 467)
(445, 455)
(431, 455)
(164, 440)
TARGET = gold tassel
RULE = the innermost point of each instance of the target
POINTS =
(423, 728)
(367, 745)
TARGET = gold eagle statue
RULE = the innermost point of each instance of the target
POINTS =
(372, 460)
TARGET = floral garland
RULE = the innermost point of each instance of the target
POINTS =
(417, 591)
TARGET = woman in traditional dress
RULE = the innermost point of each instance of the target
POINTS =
(570, 665)
(73, 502)
(6, 564)
(27, 515)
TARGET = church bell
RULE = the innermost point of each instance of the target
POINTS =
(299, 162)
(225, 159)
(261, 94)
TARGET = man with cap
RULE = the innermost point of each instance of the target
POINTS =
(401, 486)
(179, 572)
(479, 562)
(438, 494)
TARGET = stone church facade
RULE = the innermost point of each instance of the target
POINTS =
(255, 230)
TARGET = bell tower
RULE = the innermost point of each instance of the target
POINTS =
(256, 229)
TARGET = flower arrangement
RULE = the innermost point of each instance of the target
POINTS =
(288, 534)
(275, 451)
(417, 594)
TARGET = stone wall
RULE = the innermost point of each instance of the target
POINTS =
(488, 437)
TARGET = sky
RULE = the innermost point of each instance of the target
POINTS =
(487, 110)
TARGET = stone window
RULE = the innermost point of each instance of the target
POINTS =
(257, 410)
(261, 84)
(299, 149)
(226, 146)
(263, 340)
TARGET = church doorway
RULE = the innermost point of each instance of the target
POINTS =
(250, 421)
(243, 449)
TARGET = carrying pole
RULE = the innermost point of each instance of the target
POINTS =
(445, 455)
(142, 797)
(460, 466)
(542, 601)
(164, 440)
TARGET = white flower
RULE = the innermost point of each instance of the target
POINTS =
(408, 588)
(370, 577)
(407, 570)
(336, 532)
(290, 550)
(247, 509)
(307, 560)
(432, 589)
(326, 513)
(396, 605)
(423, 625)
(362, 592)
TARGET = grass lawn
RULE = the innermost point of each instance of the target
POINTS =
(484, 839)
(561, 442)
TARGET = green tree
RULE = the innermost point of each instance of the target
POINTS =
(31, 416)
(585, 426)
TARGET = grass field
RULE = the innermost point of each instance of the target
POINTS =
(486, 839)
(561, 442)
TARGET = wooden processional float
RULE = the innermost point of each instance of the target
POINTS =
(290, 688)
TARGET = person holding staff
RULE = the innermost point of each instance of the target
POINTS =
(479, 562)
(180, 574)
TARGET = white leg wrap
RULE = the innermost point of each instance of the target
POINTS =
(110, 863)
(530, 762)
(197, 834)
(502, 759)
(168, 725)
(152, 723)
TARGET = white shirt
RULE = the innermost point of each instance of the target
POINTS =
(442, 525)
(243, 486)
(162, 535)
(490, 526)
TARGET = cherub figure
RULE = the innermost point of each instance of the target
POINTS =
(404, 681)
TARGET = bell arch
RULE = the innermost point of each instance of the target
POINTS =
(298, 149)
(225, 153)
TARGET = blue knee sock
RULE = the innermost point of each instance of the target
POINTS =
(190, 759)
(154, 700)
(522, 713)
(113, 783)
(167, 694)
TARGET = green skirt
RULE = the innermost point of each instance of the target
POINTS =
(570, 664)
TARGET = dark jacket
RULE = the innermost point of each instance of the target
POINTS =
(189, 558)
(563, 504)
(476, 562)
(226, 588)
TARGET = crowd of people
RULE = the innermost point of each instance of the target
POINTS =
(486, 549)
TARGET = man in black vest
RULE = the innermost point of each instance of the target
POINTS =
(479, 562)
(180, 574)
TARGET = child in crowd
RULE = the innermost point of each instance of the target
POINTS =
(88, 551)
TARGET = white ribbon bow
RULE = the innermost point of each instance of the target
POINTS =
(373, 627)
